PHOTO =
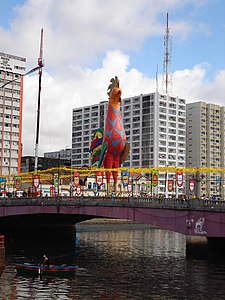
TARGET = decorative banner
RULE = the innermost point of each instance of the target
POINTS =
(99, 178)
(191, 185)
(56, 180)
(155, 176)
(170, 185)
(18, 182)
(52, 190)
(36, 180)
(217, 184)
(78, 189)
(95, 187)
(179, 178)
(125, 177)
(2, 183)
(111, 187)
(129, 187)
(148, 186)
(76, 179)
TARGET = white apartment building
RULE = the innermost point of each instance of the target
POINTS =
(205, 144)
(155, 127)
(11, 103)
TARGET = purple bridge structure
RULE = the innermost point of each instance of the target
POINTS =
(200, 220)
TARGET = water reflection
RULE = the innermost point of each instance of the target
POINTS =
(155, 242)
(118, 264)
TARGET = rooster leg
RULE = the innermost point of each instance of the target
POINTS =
(116, 164)
(108, 165)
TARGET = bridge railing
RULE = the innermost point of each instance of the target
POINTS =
(153, 202)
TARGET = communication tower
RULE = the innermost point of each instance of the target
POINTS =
(167, 83)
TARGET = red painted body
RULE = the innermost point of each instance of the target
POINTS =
(115, 136)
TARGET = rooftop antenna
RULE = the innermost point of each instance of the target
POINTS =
(40, 65)
(167, 75)
(156, 79)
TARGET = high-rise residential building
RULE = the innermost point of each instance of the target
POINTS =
(12, 69)
(205, 144)
(155, 128)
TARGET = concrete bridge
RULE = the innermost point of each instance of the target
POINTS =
(202, 221)
(193, 218)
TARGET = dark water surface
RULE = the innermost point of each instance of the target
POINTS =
(116, 264)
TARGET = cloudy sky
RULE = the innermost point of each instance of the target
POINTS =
(87, 42)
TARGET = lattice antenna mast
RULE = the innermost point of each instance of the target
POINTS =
(156, 79)
(167, 75)
(40, 65)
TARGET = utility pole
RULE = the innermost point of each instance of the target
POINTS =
(40, 65)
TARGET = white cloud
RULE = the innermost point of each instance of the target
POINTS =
(85, 45)
(192, 85)
(81, 87)
(77, 32)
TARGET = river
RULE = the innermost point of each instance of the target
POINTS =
(120, 263)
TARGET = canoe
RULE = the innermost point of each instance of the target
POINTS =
(53, 270)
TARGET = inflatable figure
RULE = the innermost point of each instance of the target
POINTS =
(109, 149)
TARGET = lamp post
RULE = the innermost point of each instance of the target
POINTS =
(58, 172)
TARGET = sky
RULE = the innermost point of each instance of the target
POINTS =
(87, 42)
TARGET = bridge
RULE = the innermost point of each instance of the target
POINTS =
(193, 217)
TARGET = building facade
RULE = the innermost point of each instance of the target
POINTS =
(61, 154)
(155, 127)
(44, 163)
(11, 104)
(205, 145)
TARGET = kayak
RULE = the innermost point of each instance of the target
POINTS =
(27, 269)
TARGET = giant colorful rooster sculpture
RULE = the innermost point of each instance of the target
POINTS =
(109, 149)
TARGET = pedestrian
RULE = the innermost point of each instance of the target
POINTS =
(46, 261)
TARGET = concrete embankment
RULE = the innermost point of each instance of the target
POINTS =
(110, 224)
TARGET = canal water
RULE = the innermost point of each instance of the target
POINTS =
(122, 263)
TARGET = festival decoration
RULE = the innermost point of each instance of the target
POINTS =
(191, 185)
(3, 186)
(99, 178)
(170, 185)
(95, 187)
(65, 172)
(155, 176)
(125, 177)
(36, 181)
(179, 178)
(218, 182)
(110, 149)
(76, 178)
(18, 182)
(78, 190)
(52, 190)
(130, 187)
(56, 180)
(148, 186)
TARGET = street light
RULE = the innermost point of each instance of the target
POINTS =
(58, 172)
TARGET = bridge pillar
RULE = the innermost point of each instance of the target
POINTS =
(216, 245)
(196, 246)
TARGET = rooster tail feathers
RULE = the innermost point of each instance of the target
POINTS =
(103, 154)
(96, 148)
